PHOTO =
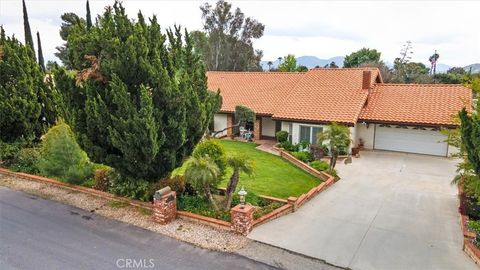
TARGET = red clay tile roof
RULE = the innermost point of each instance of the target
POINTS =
(428, 104)
(260, 91)
(326, 95)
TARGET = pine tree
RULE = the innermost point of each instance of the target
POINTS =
(26, 27)
(139, 102)
(40, 53)
(89, 17)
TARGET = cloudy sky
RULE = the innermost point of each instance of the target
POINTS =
(320, 28)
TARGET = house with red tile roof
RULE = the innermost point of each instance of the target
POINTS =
(395, 117)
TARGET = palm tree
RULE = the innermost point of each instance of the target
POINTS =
(239, 163)
(202, 173)
(338, 137)
(270, 63)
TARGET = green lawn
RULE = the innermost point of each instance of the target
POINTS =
(274, 176)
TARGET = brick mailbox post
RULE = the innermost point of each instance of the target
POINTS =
(242, 219)
(164, 205)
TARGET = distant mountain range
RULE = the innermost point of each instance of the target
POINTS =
(308, 61)
(475, 68)
(313, 61)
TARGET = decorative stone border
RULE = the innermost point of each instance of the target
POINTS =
(240, 222)
(205, 220)
(77, 188)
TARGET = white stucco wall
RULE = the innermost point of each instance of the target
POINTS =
(353, 136)
(366, 134)
(219, 123)
(285, 126)
(268, 127)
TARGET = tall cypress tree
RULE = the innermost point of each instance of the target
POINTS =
(26, 28)
(89, 17)
(27, 104)
(40, 53)
(139, 102)
(470, 134)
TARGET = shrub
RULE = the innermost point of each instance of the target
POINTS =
(9, 150)
(303, 156)
(128, 187)
(319, 165)
(333, 173)
(342, 151)
(102, 178)
(251, 198)
(26, 160)
(325, 149)
(266, 209)
(176, 183)
(304, 144)
(472, 208)
(474, 226)
(190, 190)
(62, 157)
(200, 205)
(290, 147)
(213, 149)
(282, 136)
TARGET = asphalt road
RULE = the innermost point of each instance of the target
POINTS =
(41, 234)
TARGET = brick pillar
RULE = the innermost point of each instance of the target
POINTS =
(242, 219)
(229, 124)
(257, 129)
(293, 202)
(164, 206)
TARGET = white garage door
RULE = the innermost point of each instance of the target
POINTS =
(430, 142)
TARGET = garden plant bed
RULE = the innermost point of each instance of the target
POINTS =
(469, 246)
(94, 200)
(200, 207)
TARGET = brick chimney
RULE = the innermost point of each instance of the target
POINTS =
(367, 75)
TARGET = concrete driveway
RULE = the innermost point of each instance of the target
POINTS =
(389, 211)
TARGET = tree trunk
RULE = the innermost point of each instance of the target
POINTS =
(210, 197)
(220, 131)
(232, 185)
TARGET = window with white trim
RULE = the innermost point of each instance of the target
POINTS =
(309, 133)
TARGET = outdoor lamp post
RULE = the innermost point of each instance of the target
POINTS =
(242, 193)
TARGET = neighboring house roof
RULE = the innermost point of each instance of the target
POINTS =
(260, 91)
(420, 104)
(328, 94)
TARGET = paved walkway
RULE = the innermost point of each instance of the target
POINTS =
(389, 211)
(267, 146)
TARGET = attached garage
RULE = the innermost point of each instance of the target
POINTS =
(410, 139)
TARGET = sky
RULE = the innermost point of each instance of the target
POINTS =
(318, 28)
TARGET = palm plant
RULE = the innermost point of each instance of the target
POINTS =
(203, 174)
(239, 163)
(338, 137)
